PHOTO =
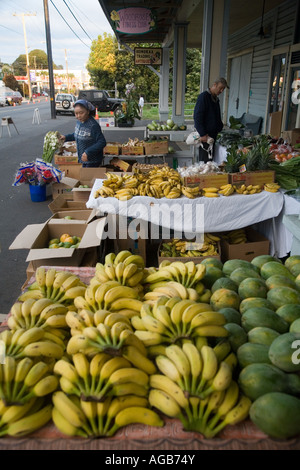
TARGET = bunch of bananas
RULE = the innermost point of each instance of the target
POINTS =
(34, 342)
(236, 237)
(191, 192)
(171, 289)
(101, 377)
(18, 421)
(188, 249)
(24, 379)
(44, 313)
(210, 192)
(125, 268)
(59, 286)
(227, 190)
(188, 274)
(75, 417)
(246, 190)
(272, 187)
(170, 320)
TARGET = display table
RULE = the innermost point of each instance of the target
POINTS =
(176, 136)
(146, 158)
(244, 436)
(194, 215)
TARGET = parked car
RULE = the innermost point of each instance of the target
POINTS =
(2, 101)
(64, 103)
(101, 100)
(12, 97)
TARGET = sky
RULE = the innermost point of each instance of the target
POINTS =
(73, 26)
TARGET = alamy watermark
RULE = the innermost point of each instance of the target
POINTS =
(182, 221)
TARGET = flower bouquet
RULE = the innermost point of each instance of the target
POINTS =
(52, 142)
(37, 173)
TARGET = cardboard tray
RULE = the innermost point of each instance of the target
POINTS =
(252, 177)
(257, 245)
(195, 260)
(64, 186)
(211, 180)
(156, 147)
(65, 202)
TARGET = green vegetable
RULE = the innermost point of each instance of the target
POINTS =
(277, 415)
(283, 352)
(261, 316)
(251, 353)
(262, 335)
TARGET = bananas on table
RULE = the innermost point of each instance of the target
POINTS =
(186, 249)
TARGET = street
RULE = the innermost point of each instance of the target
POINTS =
(16, 208)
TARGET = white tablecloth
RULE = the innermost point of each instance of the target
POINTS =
(194, 215)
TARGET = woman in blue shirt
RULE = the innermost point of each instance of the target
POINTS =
(88, 136)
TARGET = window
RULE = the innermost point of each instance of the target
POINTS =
(293, 117)
(277, 83)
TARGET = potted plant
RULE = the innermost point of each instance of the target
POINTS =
(130, 108)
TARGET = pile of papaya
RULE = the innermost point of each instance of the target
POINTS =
(261, 302)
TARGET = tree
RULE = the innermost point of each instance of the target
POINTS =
(38, 59)
(193, 70)
(10, 81)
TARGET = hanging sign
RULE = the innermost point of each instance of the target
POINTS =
(148, 56)
(133, 20)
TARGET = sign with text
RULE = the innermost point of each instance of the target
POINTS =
(148, 56)
(133, 20)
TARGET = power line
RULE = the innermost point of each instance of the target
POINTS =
(68, 25)
(10, 29)
(76, 19)
(83, 14)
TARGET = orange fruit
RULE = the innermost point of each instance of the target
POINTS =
(63, 237)
(69, 240)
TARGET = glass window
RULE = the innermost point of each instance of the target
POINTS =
(278, 72)
(293, 120)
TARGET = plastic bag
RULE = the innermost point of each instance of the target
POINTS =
(193, 139)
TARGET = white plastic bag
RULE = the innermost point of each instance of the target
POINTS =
(193, 139)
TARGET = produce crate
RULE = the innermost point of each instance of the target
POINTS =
(145, 168)
(256, 245)
(112, 148)
(156, 147)
(252, 177)
(62, 159)
(195, 260)
(82, 194)
(133, 150)
(210, 180)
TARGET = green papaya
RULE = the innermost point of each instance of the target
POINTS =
(277, 415)
(289, 312)
(280, 281)
(295, 326)
(280, 296)
(240, 274)
(232, 315)
(252, 287)
(251, 353)
(262, 335)
(292, 261)
(262, 316)
(230, 265)
(284, 352)
(212, 274)
(253, 302)
(272, 267)
(259, 261)
(237, 335)
(256, 380)
(224, 283)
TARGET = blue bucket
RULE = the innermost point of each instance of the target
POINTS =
(38, 193)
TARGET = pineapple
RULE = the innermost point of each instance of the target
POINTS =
(235, 159)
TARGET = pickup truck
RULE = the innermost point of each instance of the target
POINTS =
(101, 100)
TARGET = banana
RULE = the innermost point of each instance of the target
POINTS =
(135, 259)
(44, 349)
(116, 330)
(128, 272)
(26, 310)
(110, 258)
(119, 270)
(210, 190)
(162, 314)
(71, 388)
(237, 414)
(168, 368)
(40, 277)
(207, 318)
(49, 279)
(38, 307)
(15, 412)
(192, 294)
(231, 360)
(119, 292)
(87, 316)
(136, 414)
(151, 338)
(99, 316)
(128, 338)
(222, 349)
(120, 403)
(177, 311)
(66, 369)
(121, 256)
(35, 374)
(45, 386)
(30, 336)
(137, 323)
(74, 321)
(115, 317)
(229, 401)
(13, 347)
(126, 303)
(181, 361)
(9, 369)
(52, 309)
(64, 425)
(129, 374)
(110, 271)
(77, 344)
(137, 359)
(196, 363)
(164, 383)
(60, 277)
(31, 294)
(210, 366)
(220, 382)
(22, 369)
(56, 321)
(163, 402)
(136, 279)
(154, 325)
(193, 310)
(30, 423)
(81, 304)
(82, 367)
(211, 331)
(68, 409)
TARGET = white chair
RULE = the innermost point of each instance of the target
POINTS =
(5, 122)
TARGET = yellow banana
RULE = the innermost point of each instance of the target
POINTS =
(210, 366)
(126, 303)
(136, 414)
(154, 325)
(163, 402)
(162, 382)
(64, 425)
(196, 363)
(230, 399)
(221, 381)
(119, 292)
(207, 318)
(68, 409)
(128, 338)
(66, 369)
(137, 359)
(211, 331)
(237, 414)
(43, 349)
(30, 423)
(168, 368)
(45, 386)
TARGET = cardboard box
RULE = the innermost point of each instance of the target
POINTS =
(72, 170)
(195, 260)
(133, 150)
(64, 186)
(82, 194)
(65, 202)
(257, 245)
(252, 177)
(77, 171)
(36, 238)
(112, 148)
(62, 159)
(210, 180)
(292, 137)
(275, 123)
(126, 236)
(84, 216)
(156, 148)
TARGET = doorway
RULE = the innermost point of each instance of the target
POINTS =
(240, 74)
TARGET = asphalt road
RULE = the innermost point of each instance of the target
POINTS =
(16, 208)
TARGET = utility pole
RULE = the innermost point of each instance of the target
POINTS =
(50, 61)
(26, 50)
